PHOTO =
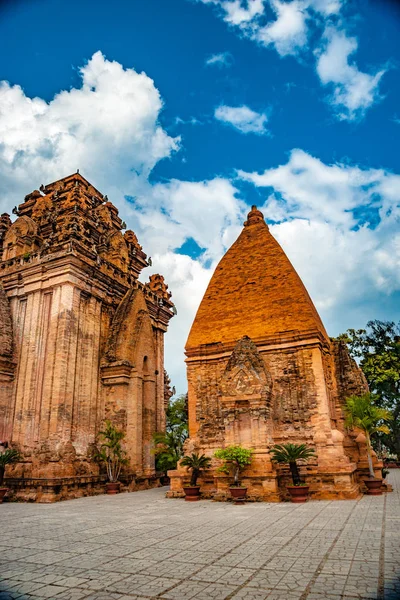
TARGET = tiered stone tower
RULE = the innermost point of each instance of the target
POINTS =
(81, 340)
(262, 370)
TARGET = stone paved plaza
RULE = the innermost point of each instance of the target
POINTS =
(142, 545)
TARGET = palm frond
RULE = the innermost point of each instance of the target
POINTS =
(9, 455)
(287, 453)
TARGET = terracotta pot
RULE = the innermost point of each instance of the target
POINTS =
(3, 492)
(374, 486)
(238, 494)
(298, 493)
(112, 487)
(192, 493)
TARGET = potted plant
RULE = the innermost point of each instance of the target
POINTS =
(289, 454)
(7, 457)
(235, 458)
(362, 413)
(196, 463)
(112, 454)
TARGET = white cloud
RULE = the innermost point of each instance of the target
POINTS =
(236, 13)
(327, 7)
(109, 128)
(353, 91)
(223, 59)
(242, 118)
(288, 33)
(108, 125)
(312, 189)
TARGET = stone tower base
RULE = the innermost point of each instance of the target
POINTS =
(272, 486)
(69, 488)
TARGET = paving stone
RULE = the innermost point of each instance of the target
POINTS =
(324, 582)
(156, 586)
(336, 567)
(129, 584)
(49, 591)
(294, 581)
(103, 596)
(48, 557)
(247, 593)
(216, 591)
(71, 582)
(185, 590)
(128, 565)
(211, 574)
(21, 587)
(266, 579)
(148, 547)
(73, 594)
(365, 569)
(361, 587)
(307, 564)
(237, 576)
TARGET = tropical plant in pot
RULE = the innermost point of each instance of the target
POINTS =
(236, 458)
(289, 454)
(7, 457)
(196, 463)
(112, 454)
(362, 413)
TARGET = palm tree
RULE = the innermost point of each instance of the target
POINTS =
(168, 448)
(289, 454)
(361, 412)
(196, 463)
(8, 456)
(111, 451)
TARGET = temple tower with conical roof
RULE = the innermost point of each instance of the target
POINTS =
(262, 370)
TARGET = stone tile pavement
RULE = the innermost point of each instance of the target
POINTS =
(142, 545)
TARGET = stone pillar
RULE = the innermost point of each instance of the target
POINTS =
(7, 368)
(149, 422)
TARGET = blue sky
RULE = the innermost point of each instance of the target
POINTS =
(186, 112)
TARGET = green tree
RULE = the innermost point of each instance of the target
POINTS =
(6, 458)
(196, 463)
(377, 349)
(289, 454)
(111, 451)
(169, 444)
(236, 458)
(362, 412)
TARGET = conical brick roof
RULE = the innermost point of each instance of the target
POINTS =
(255, 291)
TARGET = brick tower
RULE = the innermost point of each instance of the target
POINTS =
(262, 370)
(81, 340)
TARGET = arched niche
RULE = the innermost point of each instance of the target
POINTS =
(22, 238)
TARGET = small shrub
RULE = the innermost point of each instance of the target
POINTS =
(235, 458)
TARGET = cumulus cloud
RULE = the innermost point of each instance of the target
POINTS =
(288, 33)
(309, 30)
(223, 59)
(338, 223)
(109, 124)
(242, 118)
(109, 128)
(353, 91)
(237, 13)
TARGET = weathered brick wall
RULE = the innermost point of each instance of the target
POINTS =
(261, 372)
(88, 337)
